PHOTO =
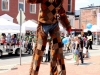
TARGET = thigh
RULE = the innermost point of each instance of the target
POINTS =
(56, 39)
(39, 46)
(41, 39)
(56, 49)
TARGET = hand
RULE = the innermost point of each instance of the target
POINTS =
(69, 29)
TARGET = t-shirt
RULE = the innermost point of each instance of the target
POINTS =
(26, 37)
(30, 39)
(8, 38)
(89, 38)
(14, 40)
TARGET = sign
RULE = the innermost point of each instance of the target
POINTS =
(20, 17)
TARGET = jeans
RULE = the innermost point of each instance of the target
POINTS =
(48, 27)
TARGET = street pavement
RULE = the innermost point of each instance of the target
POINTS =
(12, 59)
(91, 66)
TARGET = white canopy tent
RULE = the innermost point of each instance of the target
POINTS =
(94, 28)
(29, 25)
(85, 30)
(7, 17)
(8, 27)
(4, 24)
(9, 31)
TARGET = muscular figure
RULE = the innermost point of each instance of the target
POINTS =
(48, 24)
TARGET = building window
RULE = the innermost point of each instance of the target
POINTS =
(33, 8)
(5, 5)
(69, 5)
(21, 5)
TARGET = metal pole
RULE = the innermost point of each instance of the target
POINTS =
(20, 33)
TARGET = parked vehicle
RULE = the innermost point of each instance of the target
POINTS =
(14, 49)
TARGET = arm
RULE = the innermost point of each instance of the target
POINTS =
(76, 45)
(63, 19)
(34, 1)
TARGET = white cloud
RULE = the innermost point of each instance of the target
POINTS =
(81, 1)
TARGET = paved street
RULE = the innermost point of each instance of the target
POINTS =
(9, 62)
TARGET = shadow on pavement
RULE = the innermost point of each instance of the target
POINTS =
(86, 63)
(68, 58)
(13, 56)
(94, 49)
(65, 53)
(14, 68)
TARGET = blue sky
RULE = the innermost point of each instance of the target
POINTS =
(85, 3)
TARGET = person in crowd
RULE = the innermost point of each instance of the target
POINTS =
(13, 41)
(3, 39)
(26, 44)
(72, 47)
(47, 50)
(68, 45)
(85, 40)
(29, 46)
(80, 47)
(62, 37)
(76, 51)
(89, 42)
(51, 11)
(48, 46)
(8, 40)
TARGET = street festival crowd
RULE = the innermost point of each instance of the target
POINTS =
(77, 45)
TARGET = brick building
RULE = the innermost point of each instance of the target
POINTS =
(88, 15)
(69, 6)
(11, 8)
(77, 17)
